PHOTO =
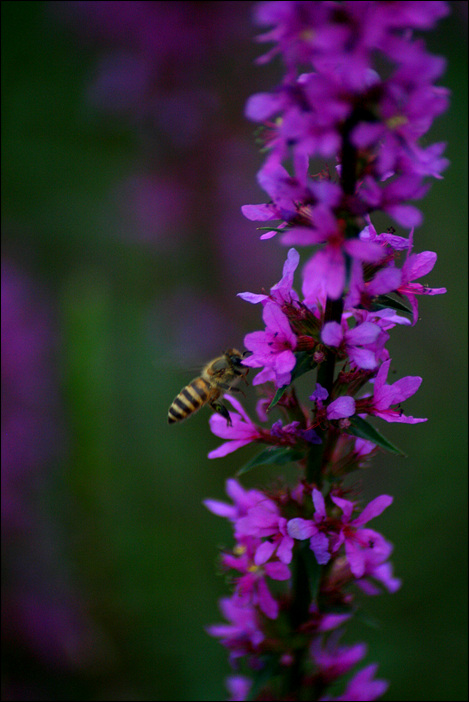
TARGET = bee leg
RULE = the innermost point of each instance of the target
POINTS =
(242, 376)
(238, 390)
(230, 388)
(221, 409)
(225, 386)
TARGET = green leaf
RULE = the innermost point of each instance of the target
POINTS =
(359, 427)
(384, 302)
(278, 395)
(304, 363)
(276, 455)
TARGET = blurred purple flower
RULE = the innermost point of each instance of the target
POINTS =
(41, 613)
(31, 430)
(362, 687)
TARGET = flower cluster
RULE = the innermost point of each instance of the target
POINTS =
(344, 110)
(260, 624)
(358, 89)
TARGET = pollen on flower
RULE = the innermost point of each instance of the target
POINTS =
(306, 34)
(254, 568)
(239, 550)
(396, 121)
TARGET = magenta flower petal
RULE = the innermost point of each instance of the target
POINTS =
(373, 509)
(264, 552)
(332, 334)
(340, 408)
(267, 603)
(252, 297)
(259, 213)
(261, 106)
(355, 558)
(227, 448)
(365, 333)
(320, 547)
(277, 570)
(319, 505)
(221, 509)
(299, 528)
(346, 506)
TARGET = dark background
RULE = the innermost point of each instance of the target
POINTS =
(126, 159)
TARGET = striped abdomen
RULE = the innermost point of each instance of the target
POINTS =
(190, 399)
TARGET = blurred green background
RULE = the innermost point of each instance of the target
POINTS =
(125, 161)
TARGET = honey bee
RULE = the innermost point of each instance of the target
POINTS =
(221, 374)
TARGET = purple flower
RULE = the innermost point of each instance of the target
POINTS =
(341, 408)
(386, 319)
(281, 291)
(332, 102)
(362, 687)
(244, 631)
(310, 109)
(241, 432)
(291, 433)
(284, 191)
(319, 395)
(333, 660)
(238, 686)
(251, 585)
(353, 340)
(301, 529)
(394, 242)
(385, 396)
(362, 546)
(328, 265)
(260, 531)
(382, 573)
(362, 293)
(264, 521)
(243, 501)
(416, 266)
(390, 198)
(43, 614)
(31, 430)
(272, 348)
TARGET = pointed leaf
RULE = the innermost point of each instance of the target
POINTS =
(278, 395)
(276, 455)
(385, 302)
(304, 363)
(361, 428)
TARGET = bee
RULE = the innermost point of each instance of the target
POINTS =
(220, 375)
